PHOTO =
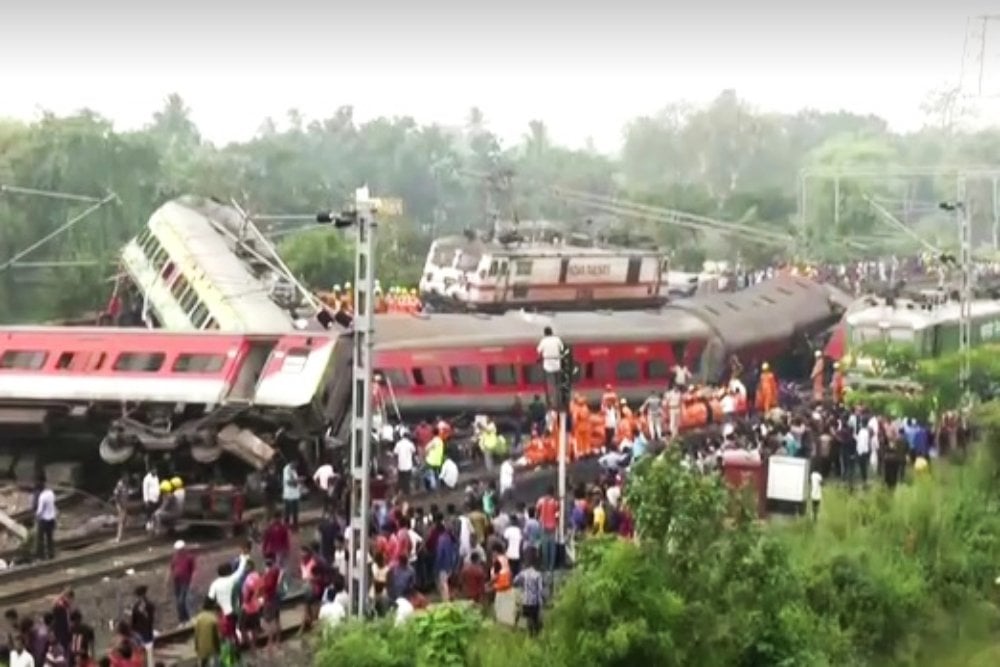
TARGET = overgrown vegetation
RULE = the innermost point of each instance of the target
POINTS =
(725, 160)
(887, 579)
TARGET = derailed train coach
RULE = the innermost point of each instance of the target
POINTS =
(448, 363)
(204, 393)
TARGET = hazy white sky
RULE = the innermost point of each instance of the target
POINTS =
(584, 67)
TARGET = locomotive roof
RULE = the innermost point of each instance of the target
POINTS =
(909, 314)
(394, 332)
(533, 249)
(781, 306)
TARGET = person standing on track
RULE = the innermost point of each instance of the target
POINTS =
(150, 495)
(45, 519)
(291, 494)
(120, 498)
(179, 576)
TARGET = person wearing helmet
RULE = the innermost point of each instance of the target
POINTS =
(165, 518)
(179, 491)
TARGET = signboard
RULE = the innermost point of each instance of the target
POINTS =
(590, 270)
(787, 479)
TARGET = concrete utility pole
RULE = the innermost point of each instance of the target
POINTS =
(965, 265)
(362, 217)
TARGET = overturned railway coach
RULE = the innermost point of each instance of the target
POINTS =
(160, 391)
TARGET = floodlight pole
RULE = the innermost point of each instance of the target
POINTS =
(361, 416)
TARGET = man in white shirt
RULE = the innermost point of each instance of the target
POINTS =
(449, 474)
(550, 350)
(323, 477)
(816, 492)
(19, 655)
(333, 612)
(404, 609)
(221, 589)
(512, 537)
(862, 443)
(405, 451)
(150, 495)
(45, 519)
(506, 486)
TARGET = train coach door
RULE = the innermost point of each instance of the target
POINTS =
(503, 280)
(251, 368)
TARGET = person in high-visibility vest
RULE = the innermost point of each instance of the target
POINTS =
(767, 392)
(502, 584)
(434, 456)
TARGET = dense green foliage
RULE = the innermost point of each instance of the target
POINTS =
(903, 578)
(725, 160)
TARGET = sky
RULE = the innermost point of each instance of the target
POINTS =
(584, 67)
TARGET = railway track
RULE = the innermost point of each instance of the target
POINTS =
(175, 648)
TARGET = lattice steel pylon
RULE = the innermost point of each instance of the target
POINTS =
(361, 416)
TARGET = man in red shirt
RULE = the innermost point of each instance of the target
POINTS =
(548, 516)
(179, 575)
(276, 542)
(270, 592)
(473, 579)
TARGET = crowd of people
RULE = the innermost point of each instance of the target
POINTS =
(395, 299)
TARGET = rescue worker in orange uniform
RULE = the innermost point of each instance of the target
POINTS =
(837, 383)
(536, 451)
(767, 391)
(381, 305)
(580, 412)
(817, 376)
(626, 423)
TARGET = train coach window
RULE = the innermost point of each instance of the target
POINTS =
(657, 369)
(144, 362)
(466, 376)
(533, 374)
(679, 349)
(627, 370)
(503, 375)
(199, 363)
(597, 371)
(23, 359)
(396, 377)
(522, 268)
(428, 376)
(179, 285)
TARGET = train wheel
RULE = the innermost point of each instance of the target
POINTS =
(116, 451)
